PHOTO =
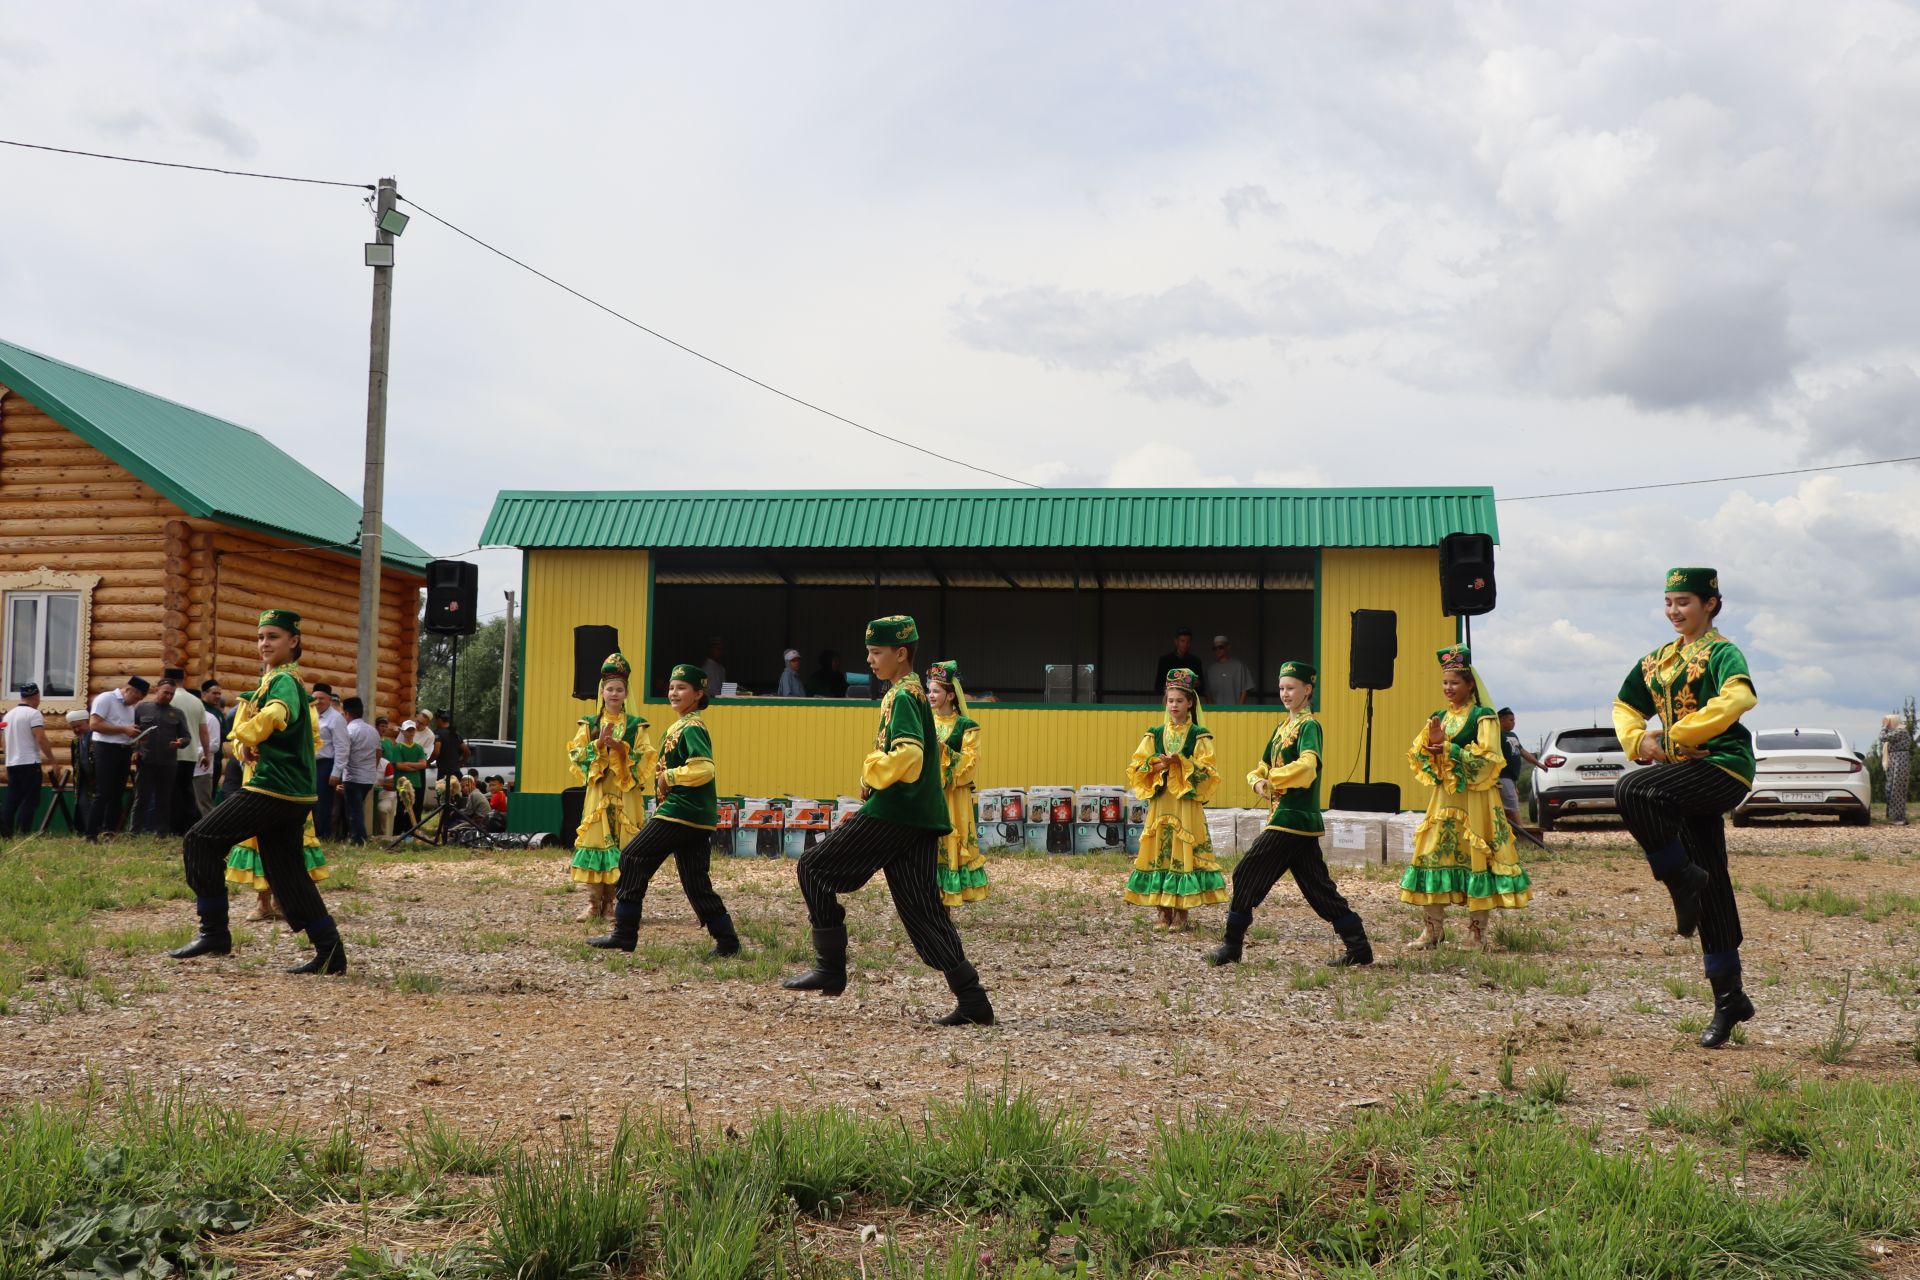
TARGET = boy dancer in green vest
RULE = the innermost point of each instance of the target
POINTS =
(272, 806)
(897, 832)
(1289, 775)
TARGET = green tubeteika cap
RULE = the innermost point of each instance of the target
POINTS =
(690, 674)
(1301, 671)
(285, 619)
(616, 665)
(893, 632)
(1702, 582)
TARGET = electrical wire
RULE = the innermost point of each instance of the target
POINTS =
(197, 168)
(718, 364)
(1682, 484)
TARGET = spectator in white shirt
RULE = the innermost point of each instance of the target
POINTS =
(27, 751)
(206, 774)
(357, 768)
(332, 749)
(1228, 680)
(110, 722)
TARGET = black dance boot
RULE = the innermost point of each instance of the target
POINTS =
(1730, 1007)
(1359, 951)
(214, 937)
(829, 973)
(1228, 952)
(973, 1009)
(1686, 885)
(329, 955)
(725, 941)
(625, 934)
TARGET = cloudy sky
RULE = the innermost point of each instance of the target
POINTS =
(1542, 247)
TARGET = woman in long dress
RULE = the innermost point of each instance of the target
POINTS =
(613, 757)
(1173, 770)
(963, 871)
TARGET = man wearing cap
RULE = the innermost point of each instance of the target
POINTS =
(25, 732)
(791, 685)
(193, 712)
(897, 832)
(332, 751)
(111, 728)
(1228, 680)
(409, 760)
(80, 772)
(275, 733)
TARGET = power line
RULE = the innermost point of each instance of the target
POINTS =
(197, 168)
(718, 364)
(1681, 484)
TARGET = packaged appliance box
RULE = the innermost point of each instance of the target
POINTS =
(1247, 826)
(726, 829)
(1221, 832)
(1398, 831)
(1050, 819)
(808, 822)
(1099, 824)
(845, 807)
(762, 822)
(1002, 818)
(1134, 832)
(1355, 839)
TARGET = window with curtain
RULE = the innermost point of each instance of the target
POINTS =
(42, 641)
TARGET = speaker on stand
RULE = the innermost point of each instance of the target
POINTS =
(1375, 645)
(453, 597)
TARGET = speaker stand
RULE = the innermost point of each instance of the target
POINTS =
(1369, 738)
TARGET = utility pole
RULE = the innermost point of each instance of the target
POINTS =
(506, 675)
(367, 663)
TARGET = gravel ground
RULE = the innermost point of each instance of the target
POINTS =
(471, 996)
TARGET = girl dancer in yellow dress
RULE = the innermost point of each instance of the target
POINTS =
(1172, 769)
(963, 872)
(612, 755)
(1464, 852)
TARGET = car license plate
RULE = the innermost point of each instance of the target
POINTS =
(1802, 797)
(1600, 768)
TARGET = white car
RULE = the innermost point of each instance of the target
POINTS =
(1578, 768)
(1807, 771)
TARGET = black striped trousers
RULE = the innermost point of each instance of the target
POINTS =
(1677, 813)
(280, 826)
(850, 855)
(1273, 855)
(691, 849)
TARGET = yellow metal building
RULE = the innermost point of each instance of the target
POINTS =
(1057, 604)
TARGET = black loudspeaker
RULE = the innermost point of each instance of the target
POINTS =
(1376, 643)
(453, 597)
(1365, 797)
(1466, 574)
(573, 808)
(591, 647)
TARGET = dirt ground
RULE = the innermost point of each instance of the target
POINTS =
(471, 996)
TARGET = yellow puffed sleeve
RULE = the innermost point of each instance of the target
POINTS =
(694, 773)
(960, 772)
(1630, 727)
(252, 730)
(1734, 700)
(1480, 764)
(900, 763)
(1291, 777)
(644, 754)
(1140, 775)
(580, 753)
(1200, 774)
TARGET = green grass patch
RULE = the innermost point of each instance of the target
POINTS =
(412, 982)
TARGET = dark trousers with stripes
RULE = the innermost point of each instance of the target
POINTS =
(280, 826)
(691, 849)
(850, 855)
(1273, 855)
(1677, 813)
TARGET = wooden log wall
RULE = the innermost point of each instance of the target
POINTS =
(176, 591)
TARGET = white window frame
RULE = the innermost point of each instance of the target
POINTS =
(40, 584)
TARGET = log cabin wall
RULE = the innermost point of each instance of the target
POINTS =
(176, 591)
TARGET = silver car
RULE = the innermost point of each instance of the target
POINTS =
(1577, 773)
(1807, 771)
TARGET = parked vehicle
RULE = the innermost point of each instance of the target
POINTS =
(494, 756)
(1807, 771)
(1578, 770)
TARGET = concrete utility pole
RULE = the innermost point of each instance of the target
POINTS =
(367, 663)
(506, 675)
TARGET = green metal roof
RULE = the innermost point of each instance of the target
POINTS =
(1216, 518)
(208, 467)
